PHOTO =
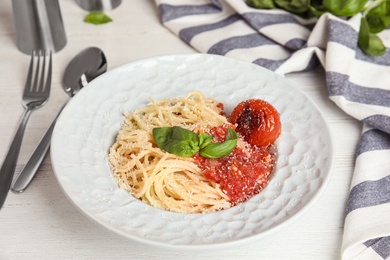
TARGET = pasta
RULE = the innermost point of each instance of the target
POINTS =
(161, 179)
(214, 176)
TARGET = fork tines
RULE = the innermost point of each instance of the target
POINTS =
(36, 80)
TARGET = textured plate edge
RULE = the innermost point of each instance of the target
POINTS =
(237, 242)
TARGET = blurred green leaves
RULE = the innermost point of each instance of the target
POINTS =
(375, 18)
(97, 18)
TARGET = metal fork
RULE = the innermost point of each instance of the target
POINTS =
(36, 93)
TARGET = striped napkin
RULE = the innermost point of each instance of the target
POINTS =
(359, 84)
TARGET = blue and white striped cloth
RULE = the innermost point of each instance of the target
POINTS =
(357, 83)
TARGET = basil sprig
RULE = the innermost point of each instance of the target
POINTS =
(375, 16)
(375, 19)
(218, 150)
(97, 17)
(185, 143)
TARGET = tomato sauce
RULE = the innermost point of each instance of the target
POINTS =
(241, 174)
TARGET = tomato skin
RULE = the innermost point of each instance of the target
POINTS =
(257, 121)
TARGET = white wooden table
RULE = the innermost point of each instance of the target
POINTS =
(41, 223)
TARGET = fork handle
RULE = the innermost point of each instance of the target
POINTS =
(30, 169)
(8, 168)
(32, 166)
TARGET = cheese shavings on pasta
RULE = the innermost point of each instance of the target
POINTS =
(160, 179)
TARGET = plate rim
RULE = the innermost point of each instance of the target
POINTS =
(217, 245)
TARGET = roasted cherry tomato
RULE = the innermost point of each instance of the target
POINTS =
(257, 121)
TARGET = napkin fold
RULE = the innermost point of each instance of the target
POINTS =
(359, 84)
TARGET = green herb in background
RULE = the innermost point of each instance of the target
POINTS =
(97, 18)
(375, 16)
(185, 143)
(378, 16)
(370, 42)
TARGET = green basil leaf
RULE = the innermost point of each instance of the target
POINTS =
(218, 150)
(204, 139)
(231, 134)
(182, 134)
(97, 18)
(183, 148)
(375, 23)
(176, 140)
(344, 7)
(261, 4)
(381, 7)
(294, 6)
(378, 17)
(161, 135)
(316, 9)
(185, 143)
(370, 43)
(364, 37)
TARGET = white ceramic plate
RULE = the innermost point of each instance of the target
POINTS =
(88, 126)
